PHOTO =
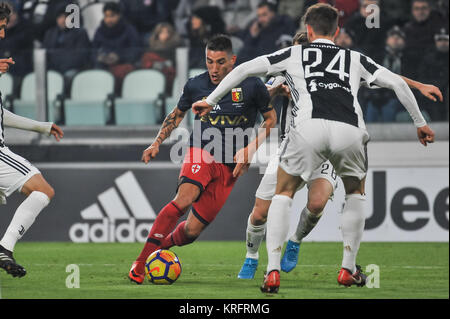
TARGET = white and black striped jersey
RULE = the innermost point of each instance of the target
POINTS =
(324, 80)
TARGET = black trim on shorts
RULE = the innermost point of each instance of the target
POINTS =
(14, 164)
(153, 241)
(187, 180)
(200, 218)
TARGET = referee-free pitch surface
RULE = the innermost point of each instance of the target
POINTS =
(406, 270)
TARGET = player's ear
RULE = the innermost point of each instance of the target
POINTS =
(338, 30)
(233, 59)
(310, 33)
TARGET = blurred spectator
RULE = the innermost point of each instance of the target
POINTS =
(292, 8)
(18, 44)
(345, 39)
(116, 43)
(204, 23)
(185, 9)
(443, 10)
(62, 42)
(346, 8)
(42, 14)
(161, 52)
(383, 105)
(434, 70)
(397, 10)
(263, 34)
(369, 40)
(425, 23)
(146, 14)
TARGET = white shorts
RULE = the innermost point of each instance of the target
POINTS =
(267, 187)
(313, 142)
(15, 171)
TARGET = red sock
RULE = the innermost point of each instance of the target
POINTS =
(163, 225)
(177, 237)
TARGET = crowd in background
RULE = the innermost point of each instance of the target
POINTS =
(412, 38)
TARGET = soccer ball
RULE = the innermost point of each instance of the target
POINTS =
(163, 267)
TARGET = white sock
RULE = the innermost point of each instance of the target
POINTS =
(255, 235)
(23, 218)
(277, 229)
(353, 221)
(306, 224)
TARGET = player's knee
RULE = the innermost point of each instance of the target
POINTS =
(259, 213)
(191, 233)
(316, 204)
(50, 192)
(259, 216)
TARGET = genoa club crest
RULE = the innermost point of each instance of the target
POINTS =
(195, 168)
(237, 95)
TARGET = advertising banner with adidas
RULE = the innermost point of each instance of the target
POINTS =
(119, 205)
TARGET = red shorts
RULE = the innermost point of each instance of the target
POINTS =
(215, 181)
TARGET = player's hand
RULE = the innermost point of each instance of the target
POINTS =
(243, 159)
(425, 135)
(5, 64)
(150, 153)
(431, 92)
(57, 132)
(201, 108)
(281, 89)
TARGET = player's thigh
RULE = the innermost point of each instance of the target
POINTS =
(15, 172)
(215, 194)
(348, 146)
(37, 183)
(187, 194)
(268, 184)
(287, 184)
(304, 149)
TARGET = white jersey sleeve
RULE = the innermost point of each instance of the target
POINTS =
(16, 121)
(256, 67)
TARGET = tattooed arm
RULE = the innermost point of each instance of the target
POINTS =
(171, 122)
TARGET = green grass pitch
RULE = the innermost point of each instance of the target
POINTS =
(407, 270)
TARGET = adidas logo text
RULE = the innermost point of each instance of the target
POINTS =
(125, 206)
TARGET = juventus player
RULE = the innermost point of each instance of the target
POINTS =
(17, 174)
(324, 80)
(321, 187)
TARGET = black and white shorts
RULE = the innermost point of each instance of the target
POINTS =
(310, 144)
(268, 185)
(15, 171)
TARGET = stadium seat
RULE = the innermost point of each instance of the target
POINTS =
(88, 104)
(26, 105)
(195, 72)
(142, 98)
(7, 87)
(7, 84)
(404, 117)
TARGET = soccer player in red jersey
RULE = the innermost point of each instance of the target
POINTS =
(208, 173)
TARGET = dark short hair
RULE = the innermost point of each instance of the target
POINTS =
(220, 42)
(300, 38)
(426, 1)
(112, 6)
(271, 6)
(5, 11)
(323, 18)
